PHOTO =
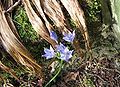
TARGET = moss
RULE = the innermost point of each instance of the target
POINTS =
(25, 30)
(29, 37)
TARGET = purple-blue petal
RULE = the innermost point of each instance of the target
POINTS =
(60, 48)
(49, 53)
(53, 36)
(48, 56)
(66, 55)
(47, 50)
(69, 37)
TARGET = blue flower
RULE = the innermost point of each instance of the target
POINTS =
(49, 53)
(53, 36)
(60, 48)
(66, 55)
(69, 37)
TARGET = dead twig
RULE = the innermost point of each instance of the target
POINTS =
(10, 9)
(97, 76)
(108, 69)
(8, 70)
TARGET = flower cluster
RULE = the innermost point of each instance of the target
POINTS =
(65, 53)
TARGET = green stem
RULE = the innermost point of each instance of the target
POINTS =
(61, 65)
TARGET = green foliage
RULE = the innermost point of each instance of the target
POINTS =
(24, 27)
(88, 82)
(28, 35)
(92, 10)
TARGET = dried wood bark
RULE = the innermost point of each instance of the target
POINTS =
(13, 46)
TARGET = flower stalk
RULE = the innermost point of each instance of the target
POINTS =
(60, 68)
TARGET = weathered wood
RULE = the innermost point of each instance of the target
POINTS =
(116, 16)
